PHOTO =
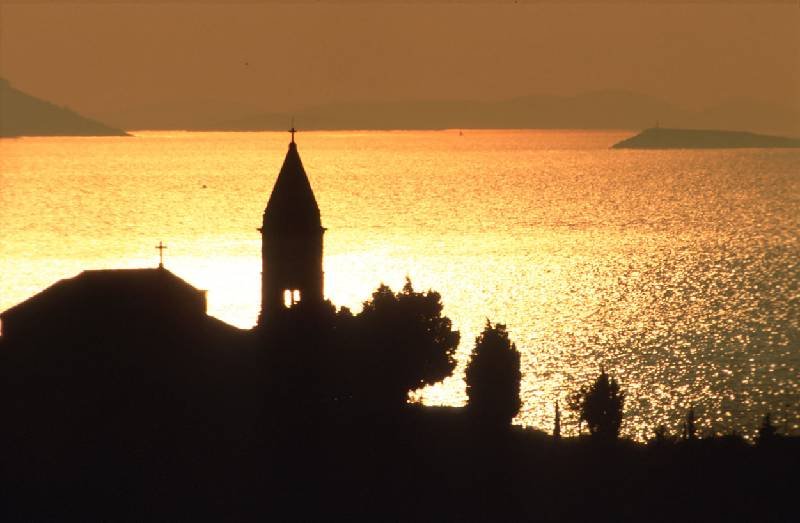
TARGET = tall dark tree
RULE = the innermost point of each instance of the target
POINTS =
(600, 406)
(557, 424)
(404, 343)
(493, 377)
(661, 437)
(689, 426)
(767, 431)
(302, 364)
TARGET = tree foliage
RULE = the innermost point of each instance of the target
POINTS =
(404, 342)
(320, 357)
(767, 433)
(304, 365)
(689, 426)
(661, 437)
(493, 376)
(600, 406)
(557, 424)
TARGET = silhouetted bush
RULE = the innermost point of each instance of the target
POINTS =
(493, 377)
(557, 424)
(689, 428)
(767, 431)
(302, 360)
(661, 437)
(404, 342)
(600, 406)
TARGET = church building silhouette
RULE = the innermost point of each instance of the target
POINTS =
(292, 277)
(291, 248)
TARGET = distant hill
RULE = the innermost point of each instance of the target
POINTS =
(598, 110)
(658, 138)
(608, 109)
(25, 115)
(747, 114)
(595, 110)
(180, 114)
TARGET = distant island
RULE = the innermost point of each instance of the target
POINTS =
(660, 138)
(24, 115)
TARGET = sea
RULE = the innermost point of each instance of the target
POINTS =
(676, 271)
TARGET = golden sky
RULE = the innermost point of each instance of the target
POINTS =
(106, 59)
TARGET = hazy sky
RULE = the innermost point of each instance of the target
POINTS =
(275, 56)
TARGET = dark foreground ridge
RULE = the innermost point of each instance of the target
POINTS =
(25, 115)
(197, 427)
(659, 138)
(121, 400)
(147, 416)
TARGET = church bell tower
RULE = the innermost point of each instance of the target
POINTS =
(291, 242)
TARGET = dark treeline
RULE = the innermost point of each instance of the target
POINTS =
(308, 419)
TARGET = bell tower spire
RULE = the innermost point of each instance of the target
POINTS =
(291, 241)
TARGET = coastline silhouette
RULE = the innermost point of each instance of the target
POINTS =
(661, 138)
(123, 399)
(24, 115)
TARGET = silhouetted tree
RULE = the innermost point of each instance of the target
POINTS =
(661, 436)
(689, 428)
(302, 364)
(404, 342)
(493, 377)
(557, 425)
(767, 431)
(600, 406)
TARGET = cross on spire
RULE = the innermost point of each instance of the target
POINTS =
(161, 248)
(292, 130)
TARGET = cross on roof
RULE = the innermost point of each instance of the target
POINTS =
(292, 130)
(161, 248)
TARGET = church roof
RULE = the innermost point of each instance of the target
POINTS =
(292, 204)
(97, 295)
